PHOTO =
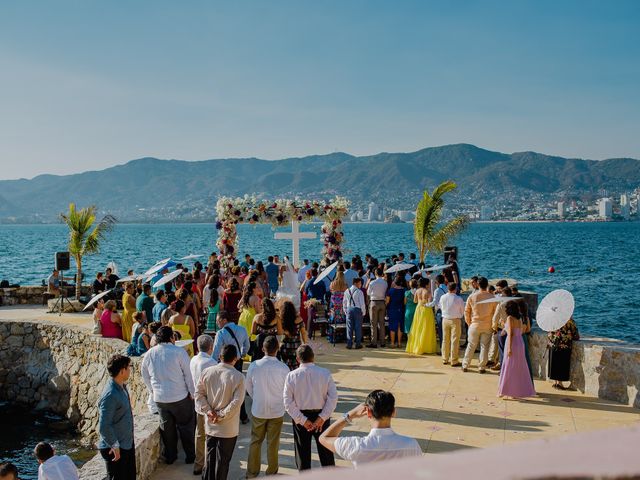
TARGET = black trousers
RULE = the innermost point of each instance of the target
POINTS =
(243, 412)
(123, 469)
(219, 453)
(178, 418)
(302, 443)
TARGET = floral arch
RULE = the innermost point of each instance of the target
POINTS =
(231, 211)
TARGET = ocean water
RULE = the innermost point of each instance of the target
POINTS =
(598, 262)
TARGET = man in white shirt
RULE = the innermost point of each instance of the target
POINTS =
(353, 306)
(52, 466)
(377, 292)
(302, 273)
(382, 443)
(166, 372)
(452, 307)
(310, 397)
(219, 395)
(199, 363)
(265, 384)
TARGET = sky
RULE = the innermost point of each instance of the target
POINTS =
(87, 84)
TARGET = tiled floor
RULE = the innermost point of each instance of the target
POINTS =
(442, 407)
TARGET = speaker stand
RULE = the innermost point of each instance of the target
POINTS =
(59, 304)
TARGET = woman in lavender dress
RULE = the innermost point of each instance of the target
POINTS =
(515, 380)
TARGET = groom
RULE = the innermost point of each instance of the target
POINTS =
(272, 275)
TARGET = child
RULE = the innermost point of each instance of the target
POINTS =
(52, 466)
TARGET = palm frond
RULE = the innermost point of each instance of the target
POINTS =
(92, 243)
(446, 232)
(428, 235)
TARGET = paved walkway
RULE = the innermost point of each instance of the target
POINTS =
(442, 407)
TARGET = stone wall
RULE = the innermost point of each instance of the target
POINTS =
(33, 295)
(147, 438)
(61, 368)
(603, 368)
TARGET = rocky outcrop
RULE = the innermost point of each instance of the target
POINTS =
(61, 368)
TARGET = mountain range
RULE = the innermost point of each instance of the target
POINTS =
(151, 184)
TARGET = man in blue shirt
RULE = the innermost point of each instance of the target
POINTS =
(231, 334)
(116, 422)
(144, 303)
(273, 272)
(160, 306)
(315, 290)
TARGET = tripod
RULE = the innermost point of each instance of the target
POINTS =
(59, 305)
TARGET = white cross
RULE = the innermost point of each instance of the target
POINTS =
(295, 237)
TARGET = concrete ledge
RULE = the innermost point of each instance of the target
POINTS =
(600, 367)
(147, 438)
(34, 294)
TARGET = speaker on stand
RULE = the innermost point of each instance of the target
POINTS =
(62, 263)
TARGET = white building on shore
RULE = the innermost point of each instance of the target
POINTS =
(605, 208)
(562, 209)
(374, 212)
(625, 206)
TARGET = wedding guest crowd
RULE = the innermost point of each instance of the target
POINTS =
(225, 317)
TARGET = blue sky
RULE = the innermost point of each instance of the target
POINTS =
(88, 84)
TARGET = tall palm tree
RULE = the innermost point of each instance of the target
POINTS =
(430, 233)
(83, 240)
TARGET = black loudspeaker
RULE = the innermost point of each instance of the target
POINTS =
(448, 251)
(62, 261)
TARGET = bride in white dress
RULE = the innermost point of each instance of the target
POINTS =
(290, 288)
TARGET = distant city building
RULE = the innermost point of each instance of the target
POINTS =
(374, 212)
(406, 215)
(354, 217)
(605, 208)
(624, 199)
(486, 213)
(562, 209)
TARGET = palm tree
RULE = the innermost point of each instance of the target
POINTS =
(82, 239)
(430, 233)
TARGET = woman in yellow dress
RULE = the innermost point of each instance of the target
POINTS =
(183, 324)
(249, 305)
(422, 336)
(129, 308)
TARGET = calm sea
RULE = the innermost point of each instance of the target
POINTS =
(598, 262)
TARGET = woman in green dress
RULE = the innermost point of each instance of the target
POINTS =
(410, 305)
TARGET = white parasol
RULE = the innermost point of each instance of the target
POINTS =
(114, 268)
(167, 278)
(158, 267)
(433, 268)
(96, 298)
(184, 343)
(326, 272)
(555, 310)
(131, 278)
(191, 256)
(499, 299)
(399, 267)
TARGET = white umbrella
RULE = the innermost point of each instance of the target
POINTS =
(399, 267)
(114, 268)
(95, 299)
(326, 272)
(184, 343)
(131, 278)
(167, 278)
(555, 310)
(499, 299)
(191, 257)
(434, 268)
(158, 267)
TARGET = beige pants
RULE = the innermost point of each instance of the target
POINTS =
(261, 428)
(377, 310)
(201, 439)
(477, 336)
(451, 339)
(494, 349)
